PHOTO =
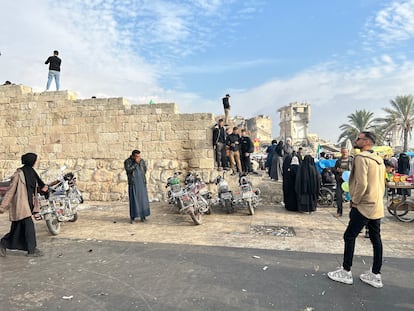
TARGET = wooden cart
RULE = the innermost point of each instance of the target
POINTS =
(400, 206)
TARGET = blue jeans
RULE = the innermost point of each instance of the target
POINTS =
(356, 222)
(53, 74)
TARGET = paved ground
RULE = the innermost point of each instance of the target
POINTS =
(102, 262)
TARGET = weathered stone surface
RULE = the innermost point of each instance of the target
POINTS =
(96, 135)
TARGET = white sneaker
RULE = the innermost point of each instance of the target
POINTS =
(372, 279)
(342, 276)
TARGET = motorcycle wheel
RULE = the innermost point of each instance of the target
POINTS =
(196, 217)
(75, 217)
(53, 225)
(179, 204)
(250, 207)
(228, 206)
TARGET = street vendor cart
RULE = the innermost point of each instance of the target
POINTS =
(400, 206)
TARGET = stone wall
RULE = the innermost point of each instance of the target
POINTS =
(96, 135)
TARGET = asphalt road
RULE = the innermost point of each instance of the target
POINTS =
(112, 275)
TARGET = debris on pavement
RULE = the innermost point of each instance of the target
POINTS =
(67, 297)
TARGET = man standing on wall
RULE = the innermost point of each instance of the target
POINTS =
(226, 106)
(219, 142)
(366, 187)
(54, 70)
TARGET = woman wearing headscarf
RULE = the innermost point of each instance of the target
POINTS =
(290, 169)
(277, 162)
(21, 201)
(307, 185)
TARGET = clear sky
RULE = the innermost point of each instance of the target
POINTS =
(337, 55)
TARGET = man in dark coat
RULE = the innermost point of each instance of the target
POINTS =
(219, 144)
(246, 148)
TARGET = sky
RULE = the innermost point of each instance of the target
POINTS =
(337, 55)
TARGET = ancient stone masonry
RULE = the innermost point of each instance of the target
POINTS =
(96, 136)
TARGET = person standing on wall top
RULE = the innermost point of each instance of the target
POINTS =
(226, 106)
(54, 70)
(136, 168)
(219, 143)
(366, 187)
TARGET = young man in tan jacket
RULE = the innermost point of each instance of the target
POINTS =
(366, 187)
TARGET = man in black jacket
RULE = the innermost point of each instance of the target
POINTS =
(226, 106)
(219, 141)
(233, 141)
(54, 70)
(246, 148)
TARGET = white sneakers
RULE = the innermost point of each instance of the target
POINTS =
(372, 279)
(343, 276)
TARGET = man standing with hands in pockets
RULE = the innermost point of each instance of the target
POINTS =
(366, 187)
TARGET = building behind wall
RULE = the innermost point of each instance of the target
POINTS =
(294, 120)
(259, 127)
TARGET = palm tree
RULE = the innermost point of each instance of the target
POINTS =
(360, 120)
(400, 117)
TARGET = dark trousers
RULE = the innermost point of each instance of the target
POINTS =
(339, 193)
(356, 222)
(246, 163)
(220, 154)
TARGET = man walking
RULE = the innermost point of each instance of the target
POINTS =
(366, 187)
(344, 163)
(219, 141)
(54, 70)
(226, 106)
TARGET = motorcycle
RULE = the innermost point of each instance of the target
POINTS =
(224, 194)
(249, 196)
(59, 204)
(196, 186)
(182, 198)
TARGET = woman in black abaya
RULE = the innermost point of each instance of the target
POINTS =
(290, 169)
(20, 200)
(307, 185)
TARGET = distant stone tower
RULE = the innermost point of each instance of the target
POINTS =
(294, 120)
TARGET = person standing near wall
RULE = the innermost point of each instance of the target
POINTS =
(219, 142)
(136, 168)
(54, 70)
(246, 148)
(233, 141)
(21, 201)
(366, 187)
(226, 106)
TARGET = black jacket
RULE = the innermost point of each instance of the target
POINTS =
(54, 63)
(219, 135)
(246, 145)
(233, 140)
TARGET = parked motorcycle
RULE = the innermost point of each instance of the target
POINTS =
(224, 194)
(196, 186)
(249, 196)
(60, 202)
(185, 200)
